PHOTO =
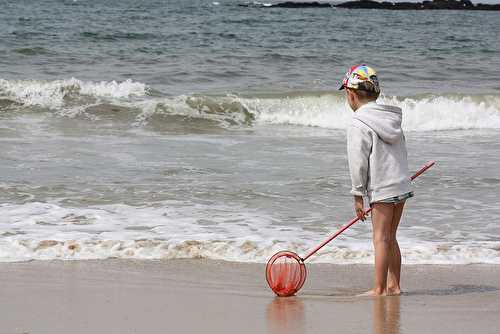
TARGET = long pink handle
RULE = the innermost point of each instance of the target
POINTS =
(352, 222)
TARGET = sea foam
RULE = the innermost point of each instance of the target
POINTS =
(44, 231)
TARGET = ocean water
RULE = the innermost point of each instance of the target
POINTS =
(199, 129)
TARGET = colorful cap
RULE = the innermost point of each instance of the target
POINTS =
(358, 76)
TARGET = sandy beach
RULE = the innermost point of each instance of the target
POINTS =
(193, 296)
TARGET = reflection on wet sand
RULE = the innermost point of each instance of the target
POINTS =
(286, 315)
(386, 315)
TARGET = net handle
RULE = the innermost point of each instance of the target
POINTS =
(355, 220)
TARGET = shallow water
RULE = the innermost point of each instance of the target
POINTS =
(222, 135)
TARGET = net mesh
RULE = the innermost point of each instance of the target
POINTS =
(285, 273)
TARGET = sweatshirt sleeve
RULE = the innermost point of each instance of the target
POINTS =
(359, 146)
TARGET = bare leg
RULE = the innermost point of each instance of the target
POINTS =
(394, 273)
(382, 215)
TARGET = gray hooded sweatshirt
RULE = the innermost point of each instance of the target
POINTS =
(376, 150)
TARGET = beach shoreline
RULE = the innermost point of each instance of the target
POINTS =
(135, 296)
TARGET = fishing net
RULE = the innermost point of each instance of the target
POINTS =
(285, 273)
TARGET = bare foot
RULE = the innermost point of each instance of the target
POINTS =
(371, 293)
(393, 291)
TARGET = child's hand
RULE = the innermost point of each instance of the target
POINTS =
(359, 207)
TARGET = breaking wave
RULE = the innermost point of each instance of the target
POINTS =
(426, 113)
(314, 109)
(58, 93)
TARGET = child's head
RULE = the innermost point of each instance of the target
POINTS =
(361, 85)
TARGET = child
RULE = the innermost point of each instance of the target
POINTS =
(376, 150)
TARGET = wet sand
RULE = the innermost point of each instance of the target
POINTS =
(198, 296)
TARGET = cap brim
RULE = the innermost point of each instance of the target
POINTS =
(342, 87)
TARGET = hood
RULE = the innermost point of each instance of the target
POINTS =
(384, 120)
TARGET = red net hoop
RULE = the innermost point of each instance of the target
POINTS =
(285, 273)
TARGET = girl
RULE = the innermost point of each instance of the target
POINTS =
(376, 151)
